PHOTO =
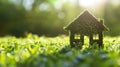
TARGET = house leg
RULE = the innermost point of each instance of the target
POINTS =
(91, 39)
(100, 39)
(72, 39)
(82, 39)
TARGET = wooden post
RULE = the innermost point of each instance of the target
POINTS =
(72, 39)
(101, 36)
(100, 39)
(82, 39)
(91, 39)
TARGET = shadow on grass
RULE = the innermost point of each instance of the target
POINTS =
(71, 57)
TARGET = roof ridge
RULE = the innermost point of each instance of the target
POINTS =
(87, 20)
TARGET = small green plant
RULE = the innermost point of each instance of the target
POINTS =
(34, 51)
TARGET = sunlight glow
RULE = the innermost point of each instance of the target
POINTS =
(115, 2)
(86, 3)
(91, 3)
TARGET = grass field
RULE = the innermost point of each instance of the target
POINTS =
(34, 51)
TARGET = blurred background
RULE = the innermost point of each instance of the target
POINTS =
(48, 17)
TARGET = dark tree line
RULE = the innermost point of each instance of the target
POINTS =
(45, 18)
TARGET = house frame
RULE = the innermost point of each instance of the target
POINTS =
(86, 25)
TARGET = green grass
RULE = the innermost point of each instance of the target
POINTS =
(34, 51)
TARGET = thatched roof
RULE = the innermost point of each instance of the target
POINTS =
(86, 23)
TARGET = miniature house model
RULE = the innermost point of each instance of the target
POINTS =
(86, 25)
